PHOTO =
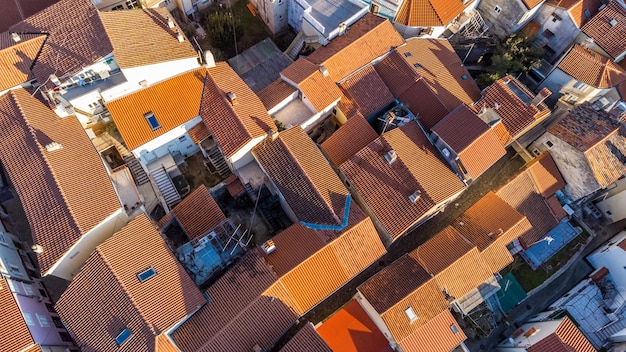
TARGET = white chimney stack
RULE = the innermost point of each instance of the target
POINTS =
(180, 36)
(170, 22)
(16, 37)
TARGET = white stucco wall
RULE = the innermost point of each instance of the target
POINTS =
(613, 204)
(561, 84)
(168, 142)
(564, 30)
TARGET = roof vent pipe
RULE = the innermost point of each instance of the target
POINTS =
(16, 37)
(180, 36)
(391, 156)
(170, 22)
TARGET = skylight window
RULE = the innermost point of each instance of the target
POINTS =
(152, 121)
(146, 274)
(410, 313)
(408, 54)
(454, 329)
(123, 337)
(417, 65)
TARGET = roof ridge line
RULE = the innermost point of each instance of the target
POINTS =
(229, 105)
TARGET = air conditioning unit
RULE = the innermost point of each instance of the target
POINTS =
(204, 240)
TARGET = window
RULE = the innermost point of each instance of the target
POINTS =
(152, 121)
(132, 4)
(410, 313)
(464, 77)
(29, 319)
(580, 86)
(28, 289)
(497, 10)
(548, 34)
(454, 329)
(587, 13)
(146, 274)
(43, 321)
(549, 144)
(182, 138)
(123, 336)
(65, 336)
(417, 65)
(12, 286)
(408, 54)
(42, 292)
(118, 7)
(50, 307)
(556, 17)
(58, 323)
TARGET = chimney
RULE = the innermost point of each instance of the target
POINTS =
(342, 28)
(414, 197)
(143, 83)
(16, 37)
(180, 36)
(209, 60)
(324, 70)
(170, 22)
(37, 248)
(268, 247)
(232, 98)
(391, 156)
(272, 134)
(541, 96)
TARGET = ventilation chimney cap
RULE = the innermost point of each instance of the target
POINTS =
(414, 197)
(37, 248)
(180, 36)
(324, 70)
(268, 247)
(391, 156)
(16, 37)
(232, 98)
(170, 22)
(50, 147)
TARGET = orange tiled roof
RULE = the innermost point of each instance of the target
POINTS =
(530, 4)
(428, 114)
(16, 335)
(368, 90)
(353, 136)
(232, 126)
(320, 91)
(386, 188)
(396, 73)
(491, 224)
(367, 39)
(275, 93)
(107, 295)
(294, 245)
(422, 340)
(404, 283)
(299, 70)
(449, 257)
(350, 329)
(17, 58)
(247, 307)
(66, 49)
(151, 42)
(608, 37)
(52, 185)
(173, 102)
(429, 13)
(307, 339)
(566, 338)
(584, 128)
(592, 68)
(199, 132)
(511, 100)
(309, 184)
(198, 213)
(546, 175)
(521, 193)
(476, 145)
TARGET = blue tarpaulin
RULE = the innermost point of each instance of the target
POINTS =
(551, 243)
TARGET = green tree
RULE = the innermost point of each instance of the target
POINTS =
(513, 55)
(223, 29)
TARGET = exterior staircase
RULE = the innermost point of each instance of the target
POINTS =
(217, 159)
(166, 186)
(295, 46)
(251, 192)
(139, 174)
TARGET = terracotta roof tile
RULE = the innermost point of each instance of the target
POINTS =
(522, 194)
(584, 128)
(359, 245)
(555, 207)
(576, 9)
(299, 70)
(275, 93)
(608, 37)
(592, 68)
(428, 114)
(546, 175)
(320, 91)
(151, 42)
(53, 194)
(512, 101)
(353, 136)
(440, 326)
(396, 73)
(173, 102)
(198, 213)
(367, 39)
(198, 133)
(247, 306)
(450, 257)
(386, 188)
(309, 184)
(350, 329)
(294, 245)
(530, 4)
(476, 145)
(491, 224)
(232, 126)
(531, 28)
(429, 13)
(107, 296)
(17, 58)
(67, 50)
(13, 11)
(16, 335)
(368, 90)
(566, 338)
(307, 339)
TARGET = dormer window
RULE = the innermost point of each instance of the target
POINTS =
(123, 337)
(146, 274)
(152, 121)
